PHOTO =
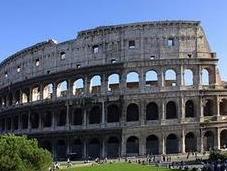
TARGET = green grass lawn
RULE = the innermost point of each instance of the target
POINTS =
(117, 167)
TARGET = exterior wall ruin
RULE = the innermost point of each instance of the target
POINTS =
(63, 93)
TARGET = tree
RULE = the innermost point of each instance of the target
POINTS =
(18, 153)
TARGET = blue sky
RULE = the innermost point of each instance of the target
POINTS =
(26, 22)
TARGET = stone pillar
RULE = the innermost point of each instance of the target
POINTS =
(182, 109)
(70, 88)
(183, 141)
(162, 145)
(180, 76)
(103, 155)
(41, 92)
(200, 109)
(142, 112)
(67, 114)
(40, 120)
(19, 122)
(142, 80)
(123, 146)
(218, 139)
(142, 143)
(201, 141)
(104, 84)
(103, 114)
(54, 91)
(85, 118)
(85, 148)
(217, 107)
(86, 85)
(29, 120)
(163, 111)
(123, 84)
(53, 121)
(161, 78)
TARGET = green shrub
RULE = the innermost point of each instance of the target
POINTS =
(18, 153)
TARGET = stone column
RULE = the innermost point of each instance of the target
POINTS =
(142, 80)
(218, 139)
(200, 109)
(103, 114)
(183, 141)
(40, 120)
(84, 118)
(123, 84)
(41, 92)
(182, 109)
(53, 120)
(104, 84)
(161, 78)
(180, 76)
(163, 111)
(29, 120)
(162, 145)
(70, 88)
(103, 149)
(54, 96)
(217, 107)
(201, 141)
(142, 150)
(67, 114)
(142, 112)
(85, 148)
(123, 146)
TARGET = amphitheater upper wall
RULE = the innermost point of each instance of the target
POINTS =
(106, 45)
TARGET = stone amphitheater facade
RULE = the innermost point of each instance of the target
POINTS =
(121, 90)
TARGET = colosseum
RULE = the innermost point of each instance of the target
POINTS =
(121, 90)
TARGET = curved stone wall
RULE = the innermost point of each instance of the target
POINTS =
(132, 89)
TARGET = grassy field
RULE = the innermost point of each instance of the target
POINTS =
(117, 167)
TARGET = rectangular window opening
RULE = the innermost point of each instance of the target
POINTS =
(170, 42)
(131, 44)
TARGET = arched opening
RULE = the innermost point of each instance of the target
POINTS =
(223, 107)
(15, 123)
(132, 145)
(170, 78)
(78, 87)
(10, 99)
(17, 97)
(35, 94)
(223, 139)
(61, 118)
(95, 115)
(113, 113)
(61, 150)
(24, 120)
(47, 119)
(46, 145)
(152, 111)
(34, 120)
(77, 149)
(8, 124)
(151, 79)
(205, 77)
(132, 112)
(172, 144)
(113, 82)
(190, 142)
(25, 96)
(188, 77)
(48, 91)
(62, 88)
(189, 109)
(77, 117)
(208, 108)
(171, 110)
(113, 147)
(152, 145)
(132, 80)
(95, 84)
(208, 141)
(94, 148)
